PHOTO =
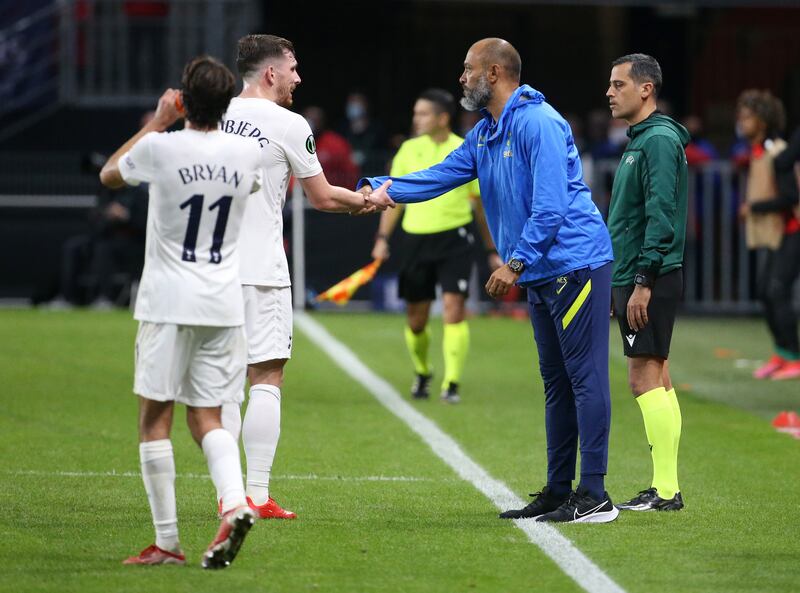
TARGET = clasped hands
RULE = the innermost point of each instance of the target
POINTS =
(375, 200)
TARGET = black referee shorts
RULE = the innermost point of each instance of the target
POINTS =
(437, 258)
(653, 340)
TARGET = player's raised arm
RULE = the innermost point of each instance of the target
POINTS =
(167, 113)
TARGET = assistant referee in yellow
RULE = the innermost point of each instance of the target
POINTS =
(438, 248)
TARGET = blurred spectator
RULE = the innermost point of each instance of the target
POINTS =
(699, 150)
(771, 224)
(606, 141)
(333, 151)
(466, 121)
(597, 130)
(100, 266)
(95, 266)
(576, 125)
(614, 143)
(366, 137)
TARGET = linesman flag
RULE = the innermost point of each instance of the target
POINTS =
(341, 292)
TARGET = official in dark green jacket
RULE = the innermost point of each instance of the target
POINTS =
(647, 223)
(647, 219)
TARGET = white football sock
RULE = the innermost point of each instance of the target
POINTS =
(222, 455)
(260, 432)
(232, 419)
(158, 474)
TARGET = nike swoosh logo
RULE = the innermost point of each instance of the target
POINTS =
(630, 339)
(589, 512)
(562, 287)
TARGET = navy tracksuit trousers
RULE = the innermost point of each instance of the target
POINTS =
(570, 317)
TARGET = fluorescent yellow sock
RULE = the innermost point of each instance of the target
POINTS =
(659, 424)
(418, 345)
(678, 420)
(455, 345)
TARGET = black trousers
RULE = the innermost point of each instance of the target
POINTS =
(781, 269)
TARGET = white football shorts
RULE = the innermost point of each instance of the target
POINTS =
(268, 322)
(195, 365)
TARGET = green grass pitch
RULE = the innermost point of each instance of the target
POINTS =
(378, 510)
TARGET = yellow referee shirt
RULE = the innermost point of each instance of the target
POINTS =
(449, 211)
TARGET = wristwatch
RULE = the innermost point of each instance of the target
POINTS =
(643, 280)
(516, 265)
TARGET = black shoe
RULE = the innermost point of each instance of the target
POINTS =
(450, 395)
(420, 388)
(649, 500)
(582, 508)
(543, 502)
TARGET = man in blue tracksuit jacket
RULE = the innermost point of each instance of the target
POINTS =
(555, 243)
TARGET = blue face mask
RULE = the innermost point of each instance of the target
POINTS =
(355, 111)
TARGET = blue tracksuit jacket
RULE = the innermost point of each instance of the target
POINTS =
(537, 206)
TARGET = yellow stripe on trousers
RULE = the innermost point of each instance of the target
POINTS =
(576, 306)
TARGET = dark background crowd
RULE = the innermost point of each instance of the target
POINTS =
(362, 66)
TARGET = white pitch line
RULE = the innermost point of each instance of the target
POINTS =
(115, 474)
(558, 548)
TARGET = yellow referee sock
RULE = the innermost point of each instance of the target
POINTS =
(678, 420)
(455, 345)
(418, 346)
(659, 425)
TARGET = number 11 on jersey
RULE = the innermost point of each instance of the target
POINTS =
(195, 205)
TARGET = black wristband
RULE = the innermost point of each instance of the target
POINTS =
(645, 277)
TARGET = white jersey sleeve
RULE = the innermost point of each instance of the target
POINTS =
(300, 149)
(136, 165)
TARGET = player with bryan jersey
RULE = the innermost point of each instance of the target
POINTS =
(268, 68)
(191, 345)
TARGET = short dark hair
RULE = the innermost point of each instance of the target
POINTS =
(644, 68)
(442, 100)
(207, 88)
(252, 50)
(767, 107)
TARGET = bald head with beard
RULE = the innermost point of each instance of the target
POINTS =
(489, 62)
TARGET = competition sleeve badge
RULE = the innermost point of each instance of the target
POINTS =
(311, 146)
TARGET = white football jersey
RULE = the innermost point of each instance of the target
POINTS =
(287, 147)
(199, 186)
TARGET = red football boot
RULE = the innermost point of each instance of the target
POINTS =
(232, 531)
(790, 370)
(766, 370)
(787, 422)
(155, 555)
(271, 510)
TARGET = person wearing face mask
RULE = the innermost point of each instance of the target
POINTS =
(366, 136)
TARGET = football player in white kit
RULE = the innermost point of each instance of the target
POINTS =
(268, 68)
(191, 345)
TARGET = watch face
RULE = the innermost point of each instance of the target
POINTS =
(516, 265)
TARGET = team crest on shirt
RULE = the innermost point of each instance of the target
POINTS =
(311, 146)
(508, 153)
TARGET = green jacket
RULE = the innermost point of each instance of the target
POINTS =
(647, 218)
